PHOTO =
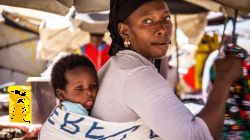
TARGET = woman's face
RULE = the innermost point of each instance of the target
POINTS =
(149, 29)
(81, 86)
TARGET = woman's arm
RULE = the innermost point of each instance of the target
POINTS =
(227, 71)
(149, 95)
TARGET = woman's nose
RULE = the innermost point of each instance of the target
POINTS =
(163, 29)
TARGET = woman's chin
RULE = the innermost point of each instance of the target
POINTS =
(161, 53)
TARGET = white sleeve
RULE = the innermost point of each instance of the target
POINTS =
(149, 95)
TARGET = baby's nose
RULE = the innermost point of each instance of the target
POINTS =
(88, 92)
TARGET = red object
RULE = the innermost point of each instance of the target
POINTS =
(243, 114)
(98, 55)
(189, 78)
(248, 97)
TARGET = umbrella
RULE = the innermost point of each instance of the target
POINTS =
(60, 7)
(241, 5)
(93, 22)
(226, 6)
(18, 46)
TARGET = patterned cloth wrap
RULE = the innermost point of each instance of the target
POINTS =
(62, 125)
(237, 115)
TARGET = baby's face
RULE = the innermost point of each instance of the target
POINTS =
(81, 87)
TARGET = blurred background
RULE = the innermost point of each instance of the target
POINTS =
(34, 34)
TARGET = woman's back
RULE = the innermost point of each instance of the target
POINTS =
(131, 88)
(110, 104)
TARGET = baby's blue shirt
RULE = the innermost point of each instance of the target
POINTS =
(74, 108)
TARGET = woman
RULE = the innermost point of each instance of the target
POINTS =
(131, 88)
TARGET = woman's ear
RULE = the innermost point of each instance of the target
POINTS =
(123, 30)
(60, 94)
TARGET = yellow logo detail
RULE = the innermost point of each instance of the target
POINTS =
(20, 104)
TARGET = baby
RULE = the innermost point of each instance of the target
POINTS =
(74, 79)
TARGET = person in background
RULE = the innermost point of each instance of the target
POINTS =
(96, 50)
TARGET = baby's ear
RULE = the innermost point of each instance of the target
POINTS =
(123, 30)
(60, 94)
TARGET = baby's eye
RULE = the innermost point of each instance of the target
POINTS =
(167, 18)
(94, 87)
(79, 88)
(147, 21)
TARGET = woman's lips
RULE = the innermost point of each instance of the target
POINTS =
(161, 43)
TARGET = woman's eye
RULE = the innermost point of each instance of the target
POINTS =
(167, 18)
(147, 21)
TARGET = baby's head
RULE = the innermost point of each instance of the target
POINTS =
(74, 78)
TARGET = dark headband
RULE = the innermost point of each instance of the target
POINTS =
(119, 12)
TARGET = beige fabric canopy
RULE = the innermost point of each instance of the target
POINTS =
(226, 6)
(242, 5)
(63, 39)
(51, 40)
(60, 7)
(18, 50)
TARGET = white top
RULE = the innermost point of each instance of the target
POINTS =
(131, 88)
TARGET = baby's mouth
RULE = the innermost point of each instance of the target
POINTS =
(89, 103)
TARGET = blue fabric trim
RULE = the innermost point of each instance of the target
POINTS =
(74, 108)
(83, 50)
(102, 47)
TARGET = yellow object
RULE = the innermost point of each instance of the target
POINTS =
(78, 51)
(205, 47)
(20, 104)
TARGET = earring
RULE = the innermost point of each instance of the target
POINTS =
(127, 43)
(60, 103)
(59, 96)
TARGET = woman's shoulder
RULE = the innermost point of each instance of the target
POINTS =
(123, 64)
(128, 59)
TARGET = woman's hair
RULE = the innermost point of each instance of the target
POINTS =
(120, 10)
(68, 63)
